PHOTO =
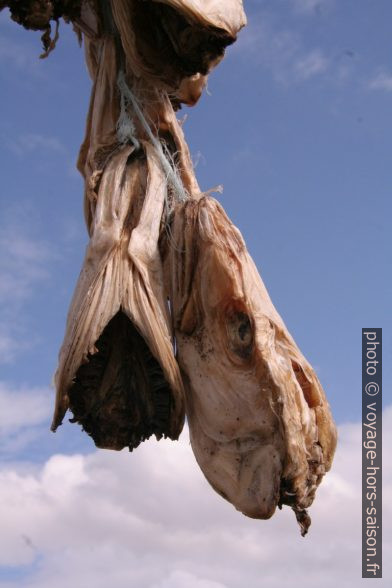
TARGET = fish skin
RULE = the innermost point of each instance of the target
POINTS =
(122, 274)
(260, 425)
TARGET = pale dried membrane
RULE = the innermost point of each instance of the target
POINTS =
(117, 370)
(175, 43)
(260, 424)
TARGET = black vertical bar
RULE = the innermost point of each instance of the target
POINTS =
(371, 453)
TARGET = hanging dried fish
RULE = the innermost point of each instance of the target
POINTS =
(117, 370)
(260, 425)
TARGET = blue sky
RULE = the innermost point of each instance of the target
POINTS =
(297, 126)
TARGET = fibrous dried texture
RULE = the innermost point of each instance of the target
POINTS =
(117, 370)
(120, 395)
(37, 15)
(169, 42)
(260, 425)
(122, 273)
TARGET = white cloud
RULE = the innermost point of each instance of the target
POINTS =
(23, 260)
(22, 411)
(149, 519)
(310, 65)
(30, 142)
(180, 579)
(282, 52)
(22, 407)
(24, 264)
(382, 81)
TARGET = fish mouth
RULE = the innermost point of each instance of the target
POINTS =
(254, 487)
(260, 496)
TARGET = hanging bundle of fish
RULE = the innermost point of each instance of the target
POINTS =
(170, 316)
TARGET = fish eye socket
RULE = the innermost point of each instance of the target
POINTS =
(240, 332)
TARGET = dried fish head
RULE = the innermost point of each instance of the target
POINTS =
(260, 424)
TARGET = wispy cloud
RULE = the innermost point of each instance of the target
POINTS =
(29, 142)
(151, 520)
(282, 52)
(179, 579)
(23, 260)
(8, 345)
(20, 51)
(22, 410)
(309, 65)
(382, 81)
(310, 6)
(24, 264)
(20, 56)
